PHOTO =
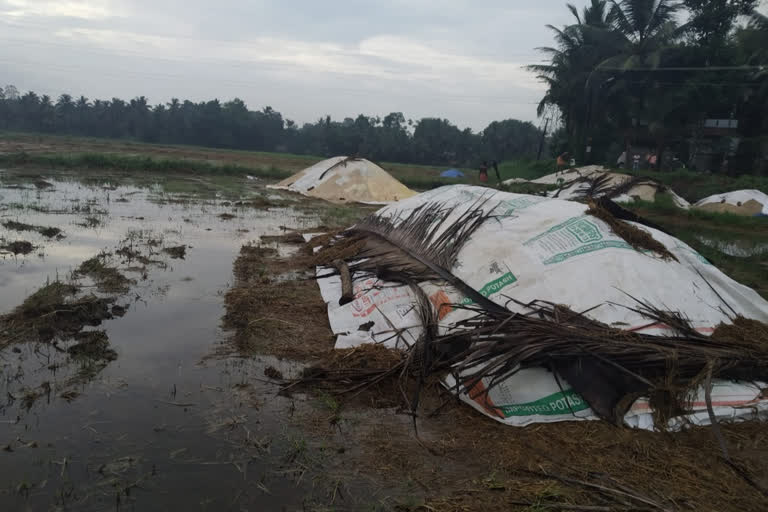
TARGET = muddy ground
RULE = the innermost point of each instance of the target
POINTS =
(144, 346)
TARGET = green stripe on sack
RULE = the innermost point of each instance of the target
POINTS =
(564, 402)
(493, 287)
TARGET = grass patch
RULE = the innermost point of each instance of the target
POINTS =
(46, 298)
(107, 279)
(18, 247)
(48, 232)
(53, 311)
(135, 164)
(526, 169)
(90, 222)
(695, 186)
(178, 252)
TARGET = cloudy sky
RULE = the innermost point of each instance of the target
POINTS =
(462, 60)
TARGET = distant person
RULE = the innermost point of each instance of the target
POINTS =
(652, 159)
(621, 162)
(495, 166)
(562, 161)
(484, 172)
(636, 162)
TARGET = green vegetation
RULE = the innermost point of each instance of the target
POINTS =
(48, 232)
(133, 164)
(526, 169)
(694, 186)
(231, 125)
(224, 169)
(17, 247)
(107, 278)
(45, 298)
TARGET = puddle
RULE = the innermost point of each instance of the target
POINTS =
(737, 248)
(162, 427)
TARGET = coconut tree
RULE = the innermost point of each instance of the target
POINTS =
(579, 48)
(628, 80)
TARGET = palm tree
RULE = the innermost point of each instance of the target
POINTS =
(579, 49)
(646, 29)
(82, 106)
(594, 15)
(646, 26)
(65, 109)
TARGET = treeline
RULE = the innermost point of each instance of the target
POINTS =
(654, 74)
(232, 125)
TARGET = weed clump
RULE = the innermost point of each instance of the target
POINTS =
(90, 222)
(53, 312)
(18, 247)
(93, 345)
(178, 252)
(48, 232)
(108, 279)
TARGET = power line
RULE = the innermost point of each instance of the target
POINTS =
(686, 68)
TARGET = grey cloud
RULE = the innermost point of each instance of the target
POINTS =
(450, 59)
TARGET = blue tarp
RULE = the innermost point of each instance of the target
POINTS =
(452, 173)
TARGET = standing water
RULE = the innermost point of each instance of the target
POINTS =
(166, 425)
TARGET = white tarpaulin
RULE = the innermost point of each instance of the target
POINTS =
(345, 179)
(574, 187)
(537, 248)
(740, 202)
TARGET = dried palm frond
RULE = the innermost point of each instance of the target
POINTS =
(421, 246)
(601, 185)
(602, 363)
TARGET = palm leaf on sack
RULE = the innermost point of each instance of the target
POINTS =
(420, 246)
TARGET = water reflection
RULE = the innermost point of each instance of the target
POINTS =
(737, 248)
(162, 427)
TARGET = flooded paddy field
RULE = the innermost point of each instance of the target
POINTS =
(147, 323)
(169, 419)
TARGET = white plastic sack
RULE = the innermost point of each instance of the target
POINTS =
(737, 198)
(536, 248)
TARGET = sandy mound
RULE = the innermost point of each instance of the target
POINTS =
(347, 179)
